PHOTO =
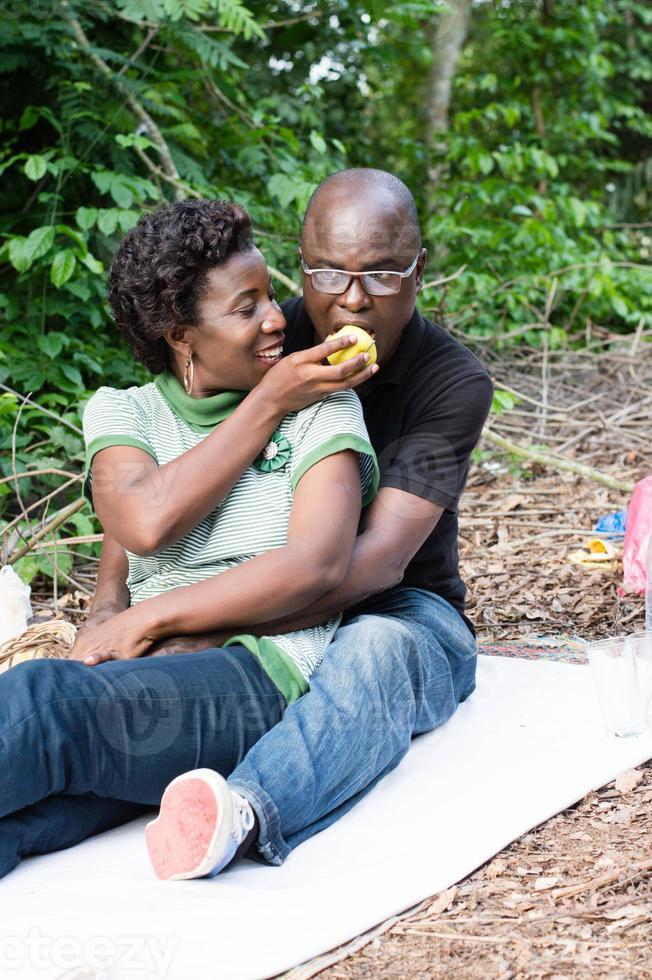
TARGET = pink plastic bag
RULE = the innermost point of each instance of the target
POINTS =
(637, 536)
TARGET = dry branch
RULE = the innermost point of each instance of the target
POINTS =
(52, 525)
(600, 881)
(289, 283)
(557, 462)
(27, 474)
(440, 282)
(46, 411)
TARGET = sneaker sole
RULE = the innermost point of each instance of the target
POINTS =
(188, 837)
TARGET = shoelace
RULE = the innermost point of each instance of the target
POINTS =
(245, 818)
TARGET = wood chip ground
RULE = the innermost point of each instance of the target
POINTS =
(572, 898)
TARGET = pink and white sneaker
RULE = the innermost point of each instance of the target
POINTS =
(200, 826)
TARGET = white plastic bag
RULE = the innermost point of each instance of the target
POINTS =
(15, 607)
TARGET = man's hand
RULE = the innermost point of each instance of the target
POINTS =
(301, 379)
(124, 636)
(188, 644)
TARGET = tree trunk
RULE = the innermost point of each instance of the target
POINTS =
(446, 42)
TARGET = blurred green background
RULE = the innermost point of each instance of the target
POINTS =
(522, 126)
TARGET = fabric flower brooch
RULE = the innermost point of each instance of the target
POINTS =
(275, 454)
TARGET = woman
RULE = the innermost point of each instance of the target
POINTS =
(192, 296)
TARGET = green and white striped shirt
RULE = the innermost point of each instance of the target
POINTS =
(253, 518)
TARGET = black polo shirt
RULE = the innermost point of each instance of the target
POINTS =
(424, 411)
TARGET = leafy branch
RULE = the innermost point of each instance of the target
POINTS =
(154, 133)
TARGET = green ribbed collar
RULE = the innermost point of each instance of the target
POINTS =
(199, 413)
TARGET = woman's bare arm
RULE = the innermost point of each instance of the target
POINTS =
(321, 536)
(146, 507)
(111, 592)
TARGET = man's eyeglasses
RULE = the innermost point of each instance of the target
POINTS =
(375, 282)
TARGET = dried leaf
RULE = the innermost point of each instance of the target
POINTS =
(496, 868)
(627, 912)
(511, 503)
(536, 613)
(541, 883)
(620, 815)
(626, 782)
(443, 901)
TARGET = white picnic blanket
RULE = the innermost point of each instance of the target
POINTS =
(527, 744)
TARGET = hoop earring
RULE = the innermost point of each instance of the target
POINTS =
(189, 375)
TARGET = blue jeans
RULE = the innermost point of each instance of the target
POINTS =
(84, 749)
(397, 670)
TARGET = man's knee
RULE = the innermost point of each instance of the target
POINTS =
(365, 681)
(373, 651)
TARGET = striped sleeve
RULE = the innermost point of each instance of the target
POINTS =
(112, 418)
(330, 426)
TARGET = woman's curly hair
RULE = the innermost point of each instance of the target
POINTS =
(159, 271)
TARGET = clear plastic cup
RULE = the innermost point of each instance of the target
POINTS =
(641, 645)
(614, 669)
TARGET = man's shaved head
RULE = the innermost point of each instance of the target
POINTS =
(363, 220)
(369, 185)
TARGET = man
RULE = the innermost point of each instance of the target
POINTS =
(405, 655)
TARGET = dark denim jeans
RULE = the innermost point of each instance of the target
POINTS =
(84, 749)
(397, 671)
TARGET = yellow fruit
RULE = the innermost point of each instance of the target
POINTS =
(365, 344)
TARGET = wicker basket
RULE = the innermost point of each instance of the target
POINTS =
(42, 641)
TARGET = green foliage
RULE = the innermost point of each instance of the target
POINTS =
(503, 401)
(531, 196)
(550, 119)
(534, 189)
